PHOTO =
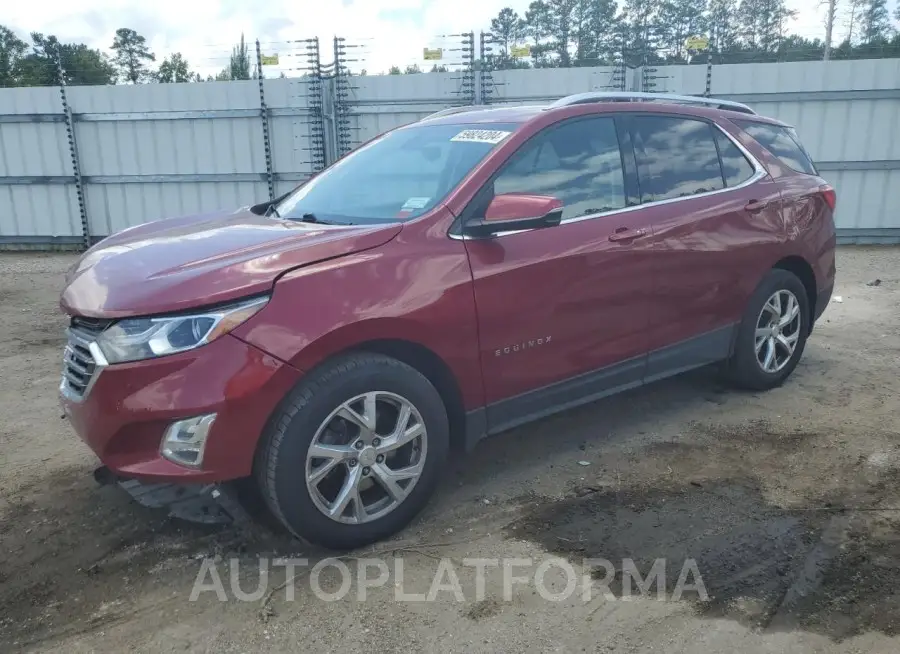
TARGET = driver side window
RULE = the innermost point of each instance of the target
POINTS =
(577, 162)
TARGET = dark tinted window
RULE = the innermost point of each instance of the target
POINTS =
(734, 164)
(676, 157)
(577, 162)
(782, 142)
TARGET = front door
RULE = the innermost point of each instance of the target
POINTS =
(566, 301)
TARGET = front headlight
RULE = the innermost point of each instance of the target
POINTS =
(133, 339)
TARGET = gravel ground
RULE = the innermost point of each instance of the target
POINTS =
(787, 503)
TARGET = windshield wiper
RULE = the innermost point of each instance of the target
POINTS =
(311, 218)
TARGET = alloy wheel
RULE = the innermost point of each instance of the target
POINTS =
(366, 457)
(778, 331)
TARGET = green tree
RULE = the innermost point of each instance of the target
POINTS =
(642, 17)
(12, 51)
(853, 12)
(678, 20)
(562, 28)
(434, 69)
(394, 70)
(508, 28)
(538, 20)
(595, 32)
(874, 22)
(412, 69)
(239, 65)
(721, 17)
(131, 55)
(174, 68)
(763, 23)
(81, 65)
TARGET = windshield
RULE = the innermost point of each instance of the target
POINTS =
(394, 178)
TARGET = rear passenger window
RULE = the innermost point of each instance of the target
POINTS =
(578, 163)
(782, 142)
(676, 157)
(735, 166)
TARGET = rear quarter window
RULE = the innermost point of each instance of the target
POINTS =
(782, 142)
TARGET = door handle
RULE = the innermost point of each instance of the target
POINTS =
(624, 234)
(756, 205)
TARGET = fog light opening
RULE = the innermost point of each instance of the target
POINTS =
(185, 440)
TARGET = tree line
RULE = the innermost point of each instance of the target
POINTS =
(131, 61)
(597, 32)
(557, 33)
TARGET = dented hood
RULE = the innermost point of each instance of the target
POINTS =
(181, 263)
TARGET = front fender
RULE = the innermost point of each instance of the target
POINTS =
(394, 292)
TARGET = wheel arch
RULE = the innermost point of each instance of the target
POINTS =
(804, 272)
(413, 353)
(434, 368)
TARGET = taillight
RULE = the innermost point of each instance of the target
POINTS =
(827, 191)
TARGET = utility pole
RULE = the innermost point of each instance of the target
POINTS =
(829, 26)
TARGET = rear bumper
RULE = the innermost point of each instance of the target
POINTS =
(130, 405)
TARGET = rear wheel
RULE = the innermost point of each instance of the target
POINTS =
(355, 452)
(772, 333)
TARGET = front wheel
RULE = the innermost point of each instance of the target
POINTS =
(772, 333)
(355, 452)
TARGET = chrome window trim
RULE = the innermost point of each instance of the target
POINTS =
(758, 173)
(100, 363)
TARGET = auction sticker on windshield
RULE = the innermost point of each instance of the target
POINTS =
(492, 136)
(414, 203)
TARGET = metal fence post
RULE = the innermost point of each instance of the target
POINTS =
(709, 55)
(341, 87)
(486, 69)
(468, 76)
(264, 115)
(73, 151)
(318, 155)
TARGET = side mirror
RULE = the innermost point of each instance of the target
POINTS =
(516, 211)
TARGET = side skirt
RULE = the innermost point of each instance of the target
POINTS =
(695, 352)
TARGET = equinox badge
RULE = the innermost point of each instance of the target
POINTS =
(518, 347)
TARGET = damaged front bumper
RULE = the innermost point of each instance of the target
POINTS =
(201, 503)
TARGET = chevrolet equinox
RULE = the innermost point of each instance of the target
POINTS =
(446, 281)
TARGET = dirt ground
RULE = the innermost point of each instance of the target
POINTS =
(788, 502)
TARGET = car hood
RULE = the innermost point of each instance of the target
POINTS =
(181, 263)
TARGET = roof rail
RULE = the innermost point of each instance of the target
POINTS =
(627, 96)
(449, 111)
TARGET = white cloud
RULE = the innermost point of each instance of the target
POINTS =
(391, 32)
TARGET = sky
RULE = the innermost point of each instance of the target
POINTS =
(386, 32)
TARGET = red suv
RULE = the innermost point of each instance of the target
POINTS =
(446, 281)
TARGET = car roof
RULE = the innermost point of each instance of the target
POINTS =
(473, 115)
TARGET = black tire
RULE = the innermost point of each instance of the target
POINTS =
(281, 461)
(743, 368)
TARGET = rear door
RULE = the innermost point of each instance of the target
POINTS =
(808, 212)
(714, 211)
(567, 300)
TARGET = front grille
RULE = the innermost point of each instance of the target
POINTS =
(90, 325)
(79, 367)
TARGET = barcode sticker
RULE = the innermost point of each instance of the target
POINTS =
(492, 136)
(414, 203)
